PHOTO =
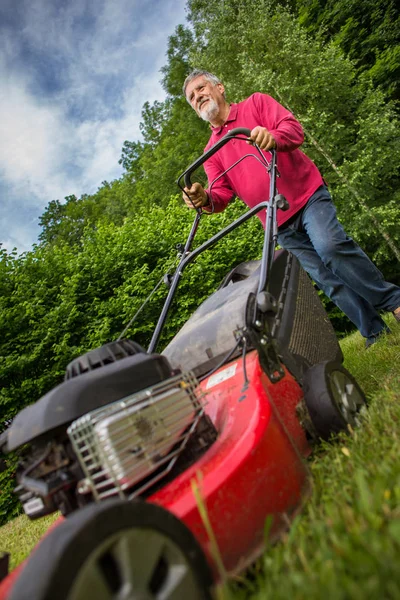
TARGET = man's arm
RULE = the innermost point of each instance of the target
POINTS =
(211, 201)
(195, 196)
(263, 138)
(281, 125)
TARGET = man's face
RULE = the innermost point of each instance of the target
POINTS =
(206, 98)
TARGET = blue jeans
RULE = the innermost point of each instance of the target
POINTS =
(338, 265)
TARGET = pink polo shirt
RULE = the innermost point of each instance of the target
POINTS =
(249, 180)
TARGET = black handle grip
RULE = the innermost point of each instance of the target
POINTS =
(199, 161)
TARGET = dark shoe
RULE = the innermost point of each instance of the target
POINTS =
(374, 338)
(369, 342)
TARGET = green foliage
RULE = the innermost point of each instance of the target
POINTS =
(182, 139)
(367, 31)
(372, 167)
(173, 134)
(9, 509)
(60, 300)
(175, 71)
(66, 222)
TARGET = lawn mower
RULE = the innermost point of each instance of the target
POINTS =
(172, 469)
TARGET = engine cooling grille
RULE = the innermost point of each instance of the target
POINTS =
(125, 447)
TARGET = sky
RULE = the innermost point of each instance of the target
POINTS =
(74, 75)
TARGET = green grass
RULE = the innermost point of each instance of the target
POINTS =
(20, 535)
(346, 542)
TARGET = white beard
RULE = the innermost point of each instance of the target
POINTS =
(210, 111)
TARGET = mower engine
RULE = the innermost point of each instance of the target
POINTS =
(119, 443)
(130, 444)
(47, 476)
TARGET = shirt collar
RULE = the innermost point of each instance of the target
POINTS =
(231, 117)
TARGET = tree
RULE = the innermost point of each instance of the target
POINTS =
(173, 135)
(367, 31)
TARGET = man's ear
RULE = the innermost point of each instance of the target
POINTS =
(221, 88)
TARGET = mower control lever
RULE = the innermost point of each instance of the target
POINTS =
(199, 161)
(281, 202)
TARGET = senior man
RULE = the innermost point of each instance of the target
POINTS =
(309, 229)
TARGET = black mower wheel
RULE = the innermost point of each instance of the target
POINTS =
(117, 550)
(333, 398)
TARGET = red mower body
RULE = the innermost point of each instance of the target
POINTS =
(254, 469)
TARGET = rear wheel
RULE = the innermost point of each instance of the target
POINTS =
(333, 398)
(117, 550)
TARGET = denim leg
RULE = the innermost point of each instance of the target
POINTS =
(339, 266)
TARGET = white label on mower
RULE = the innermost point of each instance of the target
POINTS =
(33, 506)
(221, 376)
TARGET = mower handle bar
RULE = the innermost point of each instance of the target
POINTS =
(199, 161)
(187, 256)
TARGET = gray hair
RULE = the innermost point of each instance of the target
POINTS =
(197, 73)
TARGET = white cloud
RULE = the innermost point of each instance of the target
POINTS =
(28, 152)
(68, 139)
